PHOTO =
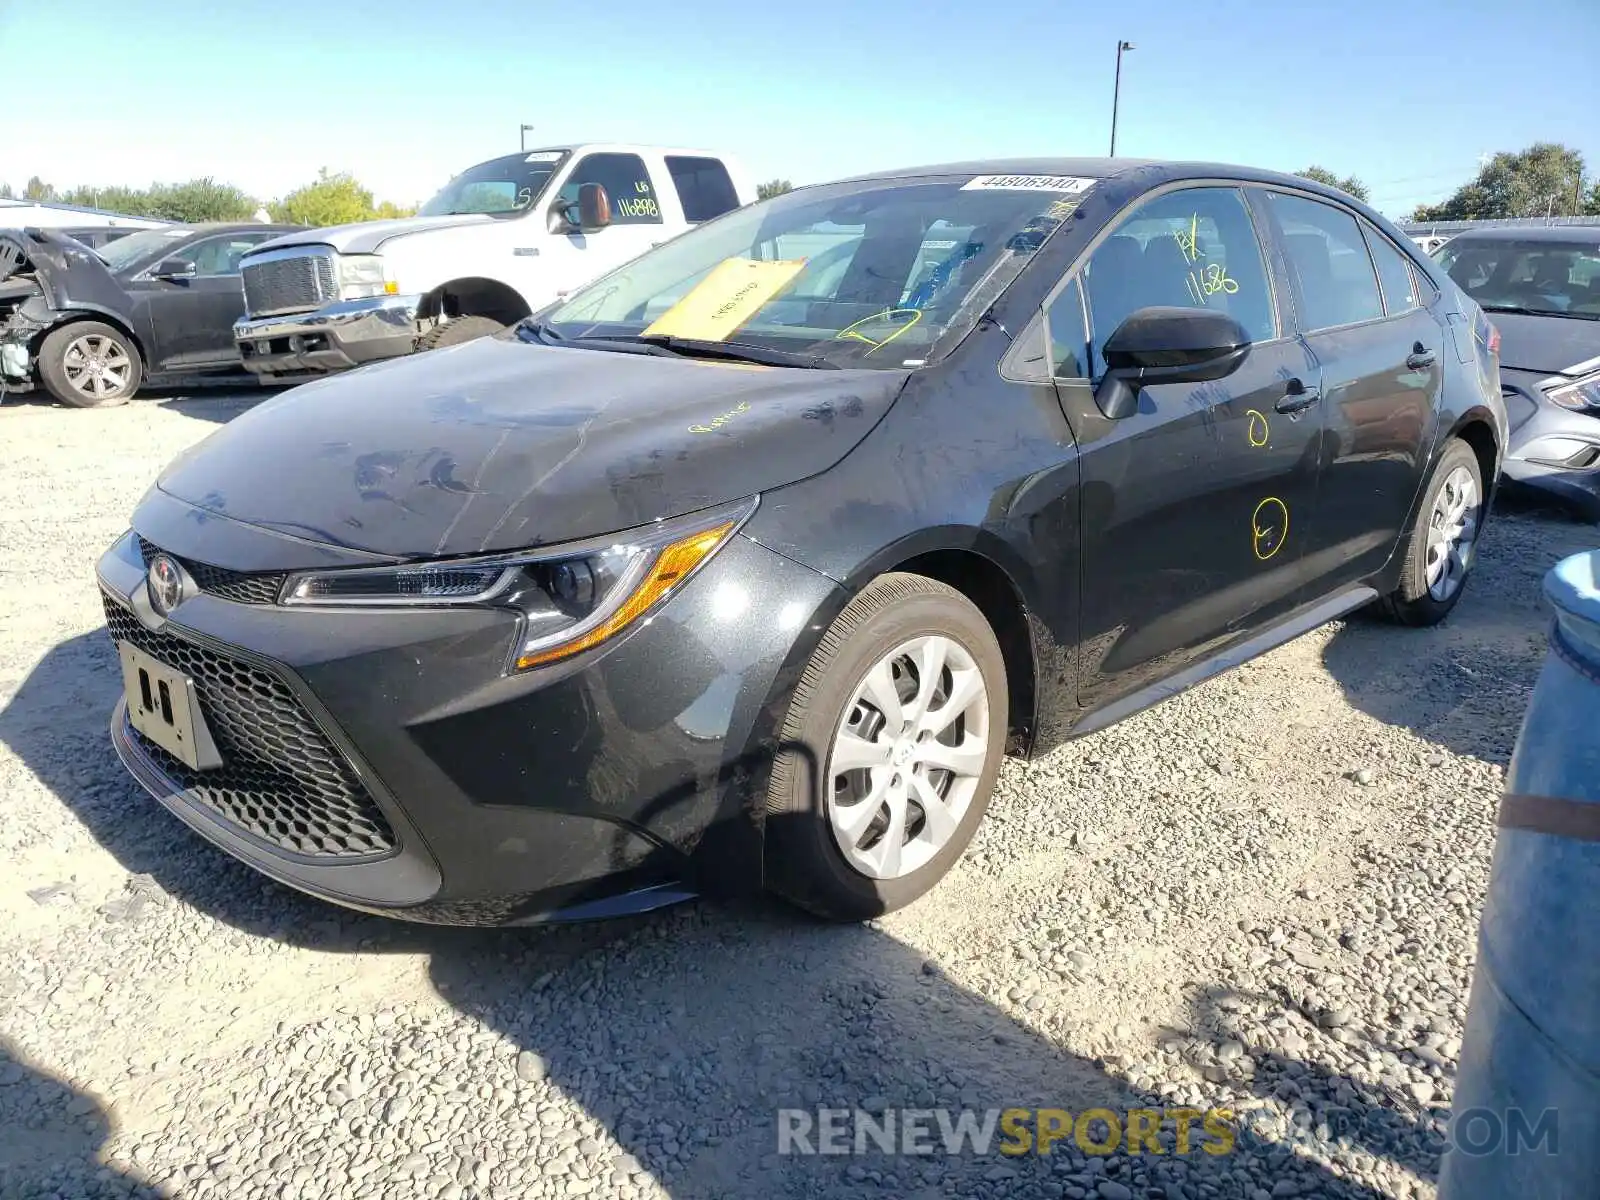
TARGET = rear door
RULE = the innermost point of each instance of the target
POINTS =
(1378, 349)
(1191, 506)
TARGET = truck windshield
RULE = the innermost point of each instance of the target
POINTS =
(876, 273)
(501, 185)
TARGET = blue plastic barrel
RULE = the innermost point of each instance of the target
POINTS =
(1525, 1122)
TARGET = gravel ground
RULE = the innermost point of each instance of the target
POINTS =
(1260, 895)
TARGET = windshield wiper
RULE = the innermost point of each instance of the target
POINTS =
(533, 332)
(1520, 310)
(738, 351)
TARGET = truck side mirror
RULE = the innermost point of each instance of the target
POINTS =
(590, 214)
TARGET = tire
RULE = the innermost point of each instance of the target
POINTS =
(67, 359)
(806, 860)
(1414, 601)
(458, 330)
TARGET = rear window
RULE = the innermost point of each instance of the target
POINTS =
(1530, 275)
(704, 187)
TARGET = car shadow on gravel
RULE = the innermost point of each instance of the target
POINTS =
(1465, 683)
(51, 1135)
(681, 1034)
(218, 402)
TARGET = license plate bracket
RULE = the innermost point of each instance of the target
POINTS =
(163, 705)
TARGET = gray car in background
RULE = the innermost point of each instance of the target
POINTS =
(1541, 288)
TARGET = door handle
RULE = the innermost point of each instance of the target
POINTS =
(1298, 398)
(1420, 358)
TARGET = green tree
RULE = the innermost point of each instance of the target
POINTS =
(37, 189)
(334, 199)
(5, 192)
(773, 187)
(199, 200)
(1326, 177)
(389, 210)
(1545, 179)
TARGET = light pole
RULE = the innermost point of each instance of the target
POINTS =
(525, 130)
(1116, 94)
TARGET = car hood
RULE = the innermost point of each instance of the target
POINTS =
(500, 445)
(1547, 345)
(363, 237)
(68, 273)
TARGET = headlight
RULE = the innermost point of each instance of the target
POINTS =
(1584, 393)
(572, 597)
(363, 275)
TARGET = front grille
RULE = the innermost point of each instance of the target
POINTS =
(296, 283)
(242, 587)
(281, 779)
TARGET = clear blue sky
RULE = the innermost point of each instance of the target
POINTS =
(404, 93)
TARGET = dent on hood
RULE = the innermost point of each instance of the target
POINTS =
(498, 445)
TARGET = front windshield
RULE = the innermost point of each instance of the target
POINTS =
(501, 185)
(126, 251)
(1556, 278)
(869, 274)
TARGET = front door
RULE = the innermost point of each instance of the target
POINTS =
(568, 261)
(193, 318)
(1192, 506)
(1379, 352)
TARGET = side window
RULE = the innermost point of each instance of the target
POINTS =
(1394, 273)
(1069, 341)
(703, 187)
(1195, 248)
(221, 255)
(633, 196)
(1334, 280)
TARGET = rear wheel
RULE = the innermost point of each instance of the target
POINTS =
(458, 330)
(90, 365)
(890, 751)
(1442, 545)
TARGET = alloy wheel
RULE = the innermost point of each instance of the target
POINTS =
(906, 759)
(1452, 534)
(97, 366)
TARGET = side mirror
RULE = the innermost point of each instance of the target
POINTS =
(590, 214)
(1167, 345)
(174, 268)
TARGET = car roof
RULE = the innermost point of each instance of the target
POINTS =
(1101, 168)
(238, 226)
(1531, 233)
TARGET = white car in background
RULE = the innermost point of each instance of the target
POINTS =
(499, 242)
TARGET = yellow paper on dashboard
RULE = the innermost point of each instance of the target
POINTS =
(725, 299)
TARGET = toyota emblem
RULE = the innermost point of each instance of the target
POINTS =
(164, 582)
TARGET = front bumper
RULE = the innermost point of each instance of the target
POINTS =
(335, 337)
(624, 778)
(1552, 450)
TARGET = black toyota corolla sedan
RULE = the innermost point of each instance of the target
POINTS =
(744, 566)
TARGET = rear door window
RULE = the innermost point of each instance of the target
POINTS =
(1394, 274)
(627, 183)
(704, 187)
(1335, 283)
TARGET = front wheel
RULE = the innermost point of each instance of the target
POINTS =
(1441, 547)
(89, 365)
(889, 753)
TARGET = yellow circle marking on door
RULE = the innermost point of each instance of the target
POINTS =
(1269, 527)
(1258, 431)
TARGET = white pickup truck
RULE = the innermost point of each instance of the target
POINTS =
(500, 242)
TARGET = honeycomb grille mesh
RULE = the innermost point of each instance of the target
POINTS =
(281, 779)
(242, 587)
